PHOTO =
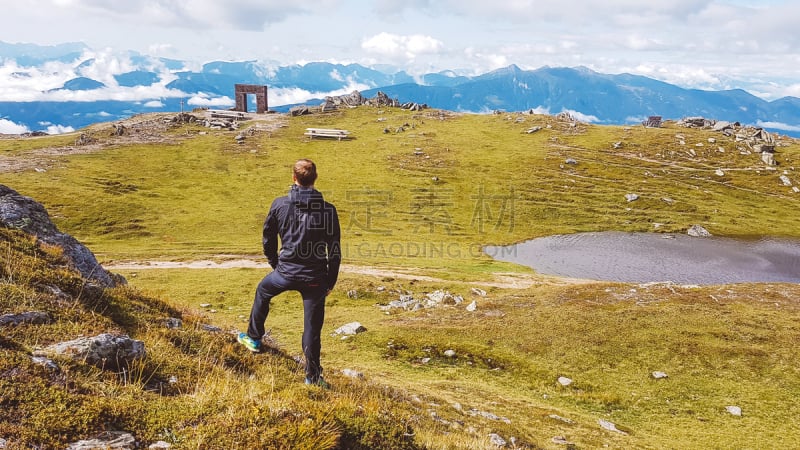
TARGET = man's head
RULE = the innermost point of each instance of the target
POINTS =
(304, 173)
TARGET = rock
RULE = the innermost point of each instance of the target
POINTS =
(617, 145)
(160, 445)
(497, 441)
(533, 130)
(667, 200)
(478, 292)
(712, 140)
(564, 381)
(719, 173)
(173, 322)
(205, 305)
(350, 329)
(350, 373)
(352, 293)
(560, 419)
(105, 351)
(298, 111)
(487, 415)
(561, 440)
(450, 353)
(210, 328)
(29, 317)
(795, 189)
(48, 364)
(734, 410)
(610, 426)
(631, 197)
(3, 443)
(785, 180)
(24, 213)
(698, 231)
(768, 158)
(571, 161)
(106, 440)
(472, 306)
(659, 375)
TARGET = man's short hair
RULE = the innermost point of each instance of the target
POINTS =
(305, 171)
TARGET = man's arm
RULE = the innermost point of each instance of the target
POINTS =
(334, 235)
(270, 237)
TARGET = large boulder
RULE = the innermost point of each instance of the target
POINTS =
(24, 213)
(106, 351)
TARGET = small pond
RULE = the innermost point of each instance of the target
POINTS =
(654, 257)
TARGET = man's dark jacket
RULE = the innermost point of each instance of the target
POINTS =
(309, 232)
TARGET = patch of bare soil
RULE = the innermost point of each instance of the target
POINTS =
(152, 128)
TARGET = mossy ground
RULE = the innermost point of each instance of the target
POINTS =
(422, 200)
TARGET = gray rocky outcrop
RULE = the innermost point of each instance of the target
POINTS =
(24, 213)
(350, 329)
(106, 351)
(355, 98)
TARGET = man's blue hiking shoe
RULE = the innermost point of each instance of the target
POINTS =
(320, 382)
(251, 344)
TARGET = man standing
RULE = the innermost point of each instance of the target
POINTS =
(308, 262)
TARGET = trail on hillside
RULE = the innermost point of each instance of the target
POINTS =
(503, 280)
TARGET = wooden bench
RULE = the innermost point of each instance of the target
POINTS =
(227, 114)
(326, 133)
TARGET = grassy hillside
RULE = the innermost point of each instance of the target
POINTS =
(421, 201)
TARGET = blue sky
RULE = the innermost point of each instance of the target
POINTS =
(716, 44)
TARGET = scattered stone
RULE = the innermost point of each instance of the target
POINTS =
(472, 306)
(618, 145)
(561, 440)
(564, 381)
(160, 445)
(84, 139)
(571, 161)
(712, 140)
(719, 173)
(211, 328)
(350, 373)
(533, 130)
(450, 353)
(667, 200)
(487, 415)
(795, 189)
(380, 288)
(106, 351)
(205, 305)
(3, 443)
(785, 180)
(173, 322)
(350, 329)
(48, 364)
(106, 440)
(734, 410)
(299, 111)
(659, 375)
(352, 294)
(631, 197)
(610, 426)
(425, 360)
(477, 291)
(560, 419)
(698, 231)
(497, 441)
(29, 317)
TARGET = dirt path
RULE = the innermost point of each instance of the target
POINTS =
(504, 280)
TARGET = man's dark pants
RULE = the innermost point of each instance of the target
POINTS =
(313, 293)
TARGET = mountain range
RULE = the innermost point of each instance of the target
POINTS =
(85, 89)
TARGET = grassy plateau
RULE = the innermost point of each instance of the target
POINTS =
(179, 213)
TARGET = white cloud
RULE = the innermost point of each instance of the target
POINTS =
(9, 127)
(59, 129)
(291, 96)
(779, 126)
(204, 100)
(581, 116)
(394, 46)
(154, 104)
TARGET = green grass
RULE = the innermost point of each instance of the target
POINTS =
(202, 196)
